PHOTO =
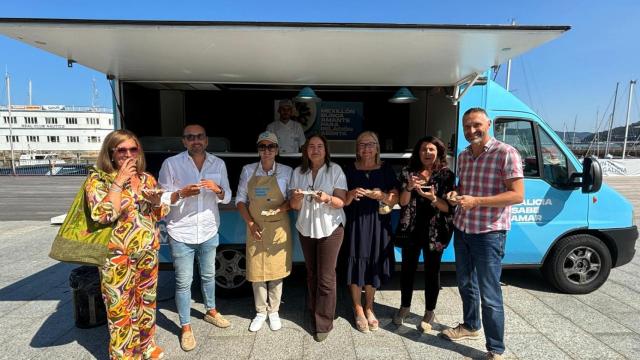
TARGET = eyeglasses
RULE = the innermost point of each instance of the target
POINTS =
(124, 151)
(369, 145)
(192, 137)
(270, 147)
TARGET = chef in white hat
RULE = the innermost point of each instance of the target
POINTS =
(289, 132)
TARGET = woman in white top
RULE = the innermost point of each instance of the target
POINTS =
(319, 189)
(262, 203)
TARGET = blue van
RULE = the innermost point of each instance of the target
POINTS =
(228, 76)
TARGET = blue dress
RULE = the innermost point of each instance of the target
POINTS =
(369, 249)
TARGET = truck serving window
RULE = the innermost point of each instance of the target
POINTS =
(519, 134)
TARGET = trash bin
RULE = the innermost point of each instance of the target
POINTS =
(89, 310)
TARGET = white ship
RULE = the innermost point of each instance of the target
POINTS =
(39, 159)
(40, 133)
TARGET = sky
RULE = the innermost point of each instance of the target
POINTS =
(572, 77)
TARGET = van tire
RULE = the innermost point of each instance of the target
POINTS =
(231, 272)
(578, 264)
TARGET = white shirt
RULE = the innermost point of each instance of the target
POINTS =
(318, 220)
(282, 173)
(194, 219)
(290, 135)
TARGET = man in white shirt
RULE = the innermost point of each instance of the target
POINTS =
(289, 132)
(196, 182)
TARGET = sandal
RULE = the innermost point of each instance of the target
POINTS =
(372, 322)
(400, 315)
(426, 323)
(361, 322)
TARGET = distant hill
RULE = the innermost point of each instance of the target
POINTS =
(580, 135)
(617, 133)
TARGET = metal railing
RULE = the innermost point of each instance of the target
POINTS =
(51, 169)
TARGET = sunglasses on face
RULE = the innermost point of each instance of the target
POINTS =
(192, 137)
(270, 147)
(123, 150)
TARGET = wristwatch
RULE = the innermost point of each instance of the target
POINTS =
(180, 196)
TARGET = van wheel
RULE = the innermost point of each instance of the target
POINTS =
(231, 272)
(579, 264)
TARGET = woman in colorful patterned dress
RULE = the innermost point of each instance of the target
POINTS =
(121, 193)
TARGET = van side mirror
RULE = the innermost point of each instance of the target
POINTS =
(591, 176)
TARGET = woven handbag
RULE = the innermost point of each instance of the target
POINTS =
(81, 240)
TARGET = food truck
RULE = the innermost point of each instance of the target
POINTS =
(229, 77)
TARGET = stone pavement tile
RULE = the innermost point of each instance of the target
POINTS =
(571, 339)
(627, 345)
(79, 344)
(523, 303)
(630, 320)
(581, 314)
(339, 344)
(430, 346)
(381, 344)
(72, 351)
(220, 348)
(622, 293)
(514, 323)
(631, 268)
(449, 302)
(285, 343)
(36, 285)
(533, 346)
(625, 279)
(24, 338)
(56, 299)
(605, 303)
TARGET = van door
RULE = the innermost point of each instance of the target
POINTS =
(551, 207)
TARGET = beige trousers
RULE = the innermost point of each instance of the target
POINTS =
(266, 295)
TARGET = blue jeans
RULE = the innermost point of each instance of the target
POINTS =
(183, 255)
(478, 270)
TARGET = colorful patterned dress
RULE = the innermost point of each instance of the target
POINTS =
(129, 277)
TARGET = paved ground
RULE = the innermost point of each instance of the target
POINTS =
(36, 312)
(36, 197)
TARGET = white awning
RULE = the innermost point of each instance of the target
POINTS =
(281, 53)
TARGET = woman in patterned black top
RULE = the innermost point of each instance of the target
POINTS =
(428, 218)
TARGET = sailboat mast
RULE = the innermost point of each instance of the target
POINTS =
(573, 140)
(613, 113)
(13, 164)
(626, 126)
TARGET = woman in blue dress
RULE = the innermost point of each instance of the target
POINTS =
(373, 191)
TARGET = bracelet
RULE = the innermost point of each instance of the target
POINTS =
(116, 184)
(434, 201)
(116, 189)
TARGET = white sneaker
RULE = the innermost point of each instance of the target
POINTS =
(256, 323)
(274, 321)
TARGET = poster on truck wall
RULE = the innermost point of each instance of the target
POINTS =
(304, 113)
(339, 120)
